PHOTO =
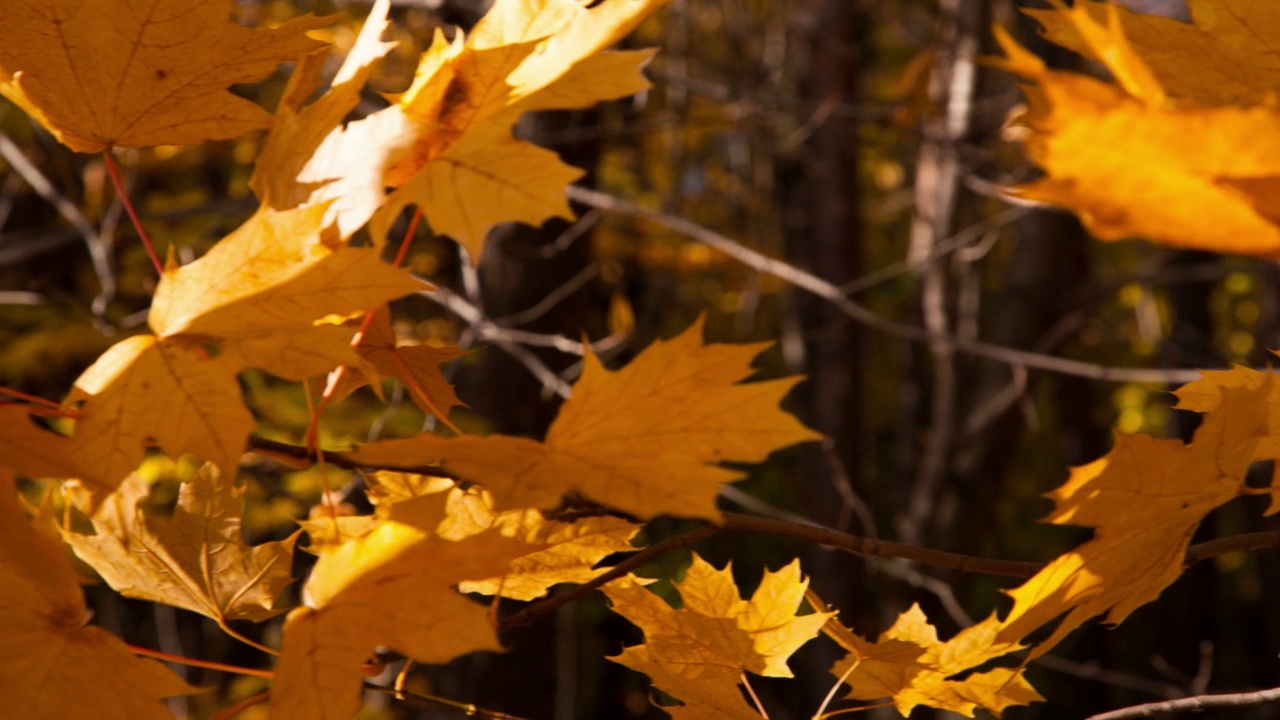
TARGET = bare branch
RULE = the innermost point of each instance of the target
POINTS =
(69, 212)
(884, 548)
(857, 312)
(1196, 703)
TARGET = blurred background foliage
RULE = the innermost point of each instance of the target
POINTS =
(860, 141)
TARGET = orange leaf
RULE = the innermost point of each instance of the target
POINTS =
(53, 664)
(118, 73)
(702, 649)
(1207, 394)
(31, 451)
(561, 552)
(1229, 53)
(276, 272)
(197, 559)
(467, 96)
(1145, 498)
(395, 587)
(1122, 161)
(416, 366)
(147, 391)
(647, 439)
(304, 160)
(910, 665)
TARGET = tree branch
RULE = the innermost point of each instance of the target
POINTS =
(881, 548)
(1196, 703)
(859, 313)
(299, 457)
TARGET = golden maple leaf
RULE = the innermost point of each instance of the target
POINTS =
(909, 664)
(417, 367)
(31, 451)
(54, 665)
(451, 130)
(147, 391)
(197, 559)
(295, 355)
(647, 439)
(265, 292)
(561, 552)
(305, 160)
(703, 648)
(708, 691)
(123, 73)
(557, 551)
(1119, 156)
(1206, 395)
(279, 271)
(386, 489)
(1145, 498)
(1229, 53)
(395, 587)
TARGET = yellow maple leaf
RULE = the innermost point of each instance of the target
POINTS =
(416, 366)
(1206, 396)
(295, 355)
(146, 391)
(708, 691)
(31, 451)
(716, 628)
(557, 551)
(647, 439)
(305, 160)
(52, 664)
(1228, 54)
(197, 559)
(1119, 157)
(386, 490)
(467, 96)
(128, 74)
(279, 271)
(393, 586)
(909, 664)
(562, 552)
(1145, 498)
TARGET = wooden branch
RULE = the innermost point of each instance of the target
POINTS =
(859, 313)
(298, 457)
(1195, 703)
(880, 548)
(1268, 540)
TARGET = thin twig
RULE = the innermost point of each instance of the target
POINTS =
(1266, 540)
(1092, 671)
(299, 457)
(859, 313)
(229, 712)
(148, 652)
(755, 699)
(1196, 703)
(884, 548)
(800, 529)
(93, 242)
(551, 299)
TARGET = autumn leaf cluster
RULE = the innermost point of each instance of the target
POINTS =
(301, 291)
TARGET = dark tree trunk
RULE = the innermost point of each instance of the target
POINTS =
(823, 227)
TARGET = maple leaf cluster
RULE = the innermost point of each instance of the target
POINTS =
(291, 292)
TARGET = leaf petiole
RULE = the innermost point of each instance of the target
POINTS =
(114, 171)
